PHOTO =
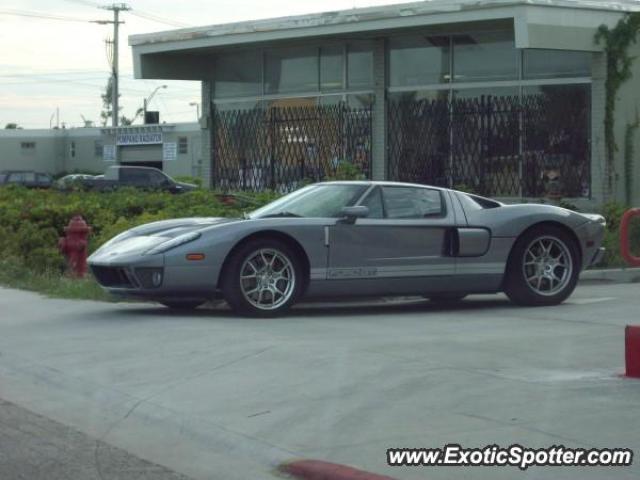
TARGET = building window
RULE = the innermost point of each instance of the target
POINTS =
(72, 150)
(485, 56)
(332, 68)
(238, 74)
(28, 146)
(183, 145)
(556, 140)
(98, 149)
(419, 60)
(556, 64)
(360, 65)
(291, 70)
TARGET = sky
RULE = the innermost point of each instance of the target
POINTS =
(48, 65)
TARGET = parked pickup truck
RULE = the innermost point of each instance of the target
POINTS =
(138, 177)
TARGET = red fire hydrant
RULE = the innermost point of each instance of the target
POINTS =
(75, 246)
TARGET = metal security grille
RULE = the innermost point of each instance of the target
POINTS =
(530, 146)
(282, 148)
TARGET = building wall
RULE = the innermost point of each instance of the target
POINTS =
(206, 135)
(627, 113)
(47, 154)
(80, 150)
(598, 180)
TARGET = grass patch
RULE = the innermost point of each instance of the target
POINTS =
(13, 274)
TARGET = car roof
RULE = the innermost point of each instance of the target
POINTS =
(381, 183)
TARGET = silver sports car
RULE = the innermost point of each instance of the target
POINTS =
(356, 239)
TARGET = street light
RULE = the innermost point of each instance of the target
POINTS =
(197, 105)
(146, 102)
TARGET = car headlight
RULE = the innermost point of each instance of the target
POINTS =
(174, 243)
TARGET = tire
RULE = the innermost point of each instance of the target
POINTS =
(262, 278)
(447, 299)
(183, 305)
(543, 267)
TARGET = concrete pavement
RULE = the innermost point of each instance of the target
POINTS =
(213, 396)
(33, 447)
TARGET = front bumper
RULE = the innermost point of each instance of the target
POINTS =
(178, 282)
(598, 256)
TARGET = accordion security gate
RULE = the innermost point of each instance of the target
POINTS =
(283, 148)
(530, 146)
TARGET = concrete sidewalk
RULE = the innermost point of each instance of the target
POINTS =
(613, 275)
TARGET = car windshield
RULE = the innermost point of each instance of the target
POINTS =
(316, 201)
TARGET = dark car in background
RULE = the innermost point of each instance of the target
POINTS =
(145, 178)
(26, 178)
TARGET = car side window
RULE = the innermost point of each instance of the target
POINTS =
(412, 202)
(134, 177)
(157, 179)
(16, 178)
(373, 202)
(126, 176)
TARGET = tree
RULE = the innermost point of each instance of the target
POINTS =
(107, 107)
(107, 103)
(12, 126)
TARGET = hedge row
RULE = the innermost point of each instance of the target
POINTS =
(31, 221)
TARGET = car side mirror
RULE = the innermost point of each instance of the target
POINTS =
(351, 214)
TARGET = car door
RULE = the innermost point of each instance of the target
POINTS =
(404, 243)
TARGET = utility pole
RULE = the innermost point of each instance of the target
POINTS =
(116, 8)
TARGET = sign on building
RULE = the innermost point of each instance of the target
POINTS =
(169, 152)
(109, 153)
(149, 138)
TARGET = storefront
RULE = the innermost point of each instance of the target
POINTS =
(502, 98)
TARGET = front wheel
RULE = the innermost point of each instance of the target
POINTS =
(543, 267)
(263, 278)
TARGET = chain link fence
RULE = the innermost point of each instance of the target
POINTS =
(282, 148)
(531, 146)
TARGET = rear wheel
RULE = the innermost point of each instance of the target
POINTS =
(183, 305)
(263, 278)
(543, 268)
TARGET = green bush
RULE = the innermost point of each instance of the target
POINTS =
(613, 212)
(31, 221)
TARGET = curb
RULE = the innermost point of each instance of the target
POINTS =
(618, 275)
(319, 470)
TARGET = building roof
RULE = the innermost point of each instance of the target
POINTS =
(333, 20)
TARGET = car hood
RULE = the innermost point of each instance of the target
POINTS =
(188, 187)
(141, 239)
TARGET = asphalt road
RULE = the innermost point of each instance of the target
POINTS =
(212, 396)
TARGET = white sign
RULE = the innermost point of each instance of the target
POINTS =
(109, 153)
(150, 138)
(169, 152)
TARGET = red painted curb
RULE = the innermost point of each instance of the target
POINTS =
(318, 470)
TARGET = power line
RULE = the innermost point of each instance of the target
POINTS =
(86, 3)
(39, 15)
(137, 13)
